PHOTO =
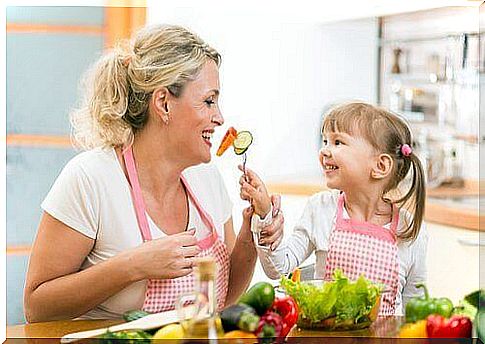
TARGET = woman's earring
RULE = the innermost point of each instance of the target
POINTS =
(166, 118)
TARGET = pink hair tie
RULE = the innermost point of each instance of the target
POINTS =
(406, 150)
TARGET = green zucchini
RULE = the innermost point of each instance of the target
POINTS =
(134, 315)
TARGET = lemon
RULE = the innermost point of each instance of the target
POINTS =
(172, 331)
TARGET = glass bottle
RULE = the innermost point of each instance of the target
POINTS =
(205, 323)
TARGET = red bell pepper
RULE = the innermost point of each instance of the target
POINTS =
(288, 309)
(457, 326)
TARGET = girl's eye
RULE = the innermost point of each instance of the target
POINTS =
(325, 142)
(337, 142)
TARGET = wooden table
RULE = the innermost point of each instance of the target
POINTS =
(50, 332)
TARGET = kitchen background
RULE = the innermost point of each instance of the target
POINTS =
(281, 69)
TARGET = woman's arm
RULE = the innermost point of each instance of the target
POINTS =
(242, 257)
(56, 289)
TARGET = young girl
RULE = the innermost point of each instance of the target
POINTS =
(364, 225)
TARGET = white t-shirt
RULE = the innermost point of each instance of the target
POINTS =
(92, 196)
(312, 232)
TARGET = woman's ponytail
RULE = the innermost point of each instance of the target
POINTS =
(99, 120)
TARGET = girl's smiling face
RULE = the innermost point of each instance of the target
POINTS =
(347, 160)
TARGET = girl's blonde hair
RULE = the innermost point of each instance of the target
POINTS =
(387, 133)
(119, 86)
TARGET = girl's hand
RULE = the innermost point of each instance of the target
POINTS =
(272, 235)
(254, 191)
(165, 258)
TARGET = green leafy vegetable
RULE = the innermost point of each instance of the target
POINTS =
(341, 298)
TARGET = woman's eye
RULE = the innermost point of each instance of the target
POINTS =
(209, 102)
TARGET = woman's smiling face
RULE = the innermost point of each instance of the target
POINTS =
(195, 114)
(346, 160)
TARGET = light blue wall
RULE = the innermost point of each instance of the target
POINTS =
(16, 268)
(30, 174)
(56, 15)
(43, 72)
(43, 75)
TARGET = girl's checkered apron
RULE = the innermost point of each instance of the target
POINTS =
(162, 294)
(364, 248)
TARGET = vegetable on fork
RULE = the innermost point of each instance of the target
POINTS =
(227, 141)
(239, 140)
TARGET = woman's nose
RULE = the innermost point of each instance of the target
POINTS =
(218, 118)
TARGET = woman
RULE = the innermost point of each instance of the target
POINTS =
(125, 219)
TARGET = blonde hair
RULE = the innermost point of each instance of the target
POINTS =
(119, 86)
(387, 133)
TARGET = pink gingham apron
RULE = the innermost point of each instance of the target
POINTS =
(162, 294)
(364, 248)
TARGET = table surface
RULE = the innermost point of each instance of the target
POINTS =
(383, 327)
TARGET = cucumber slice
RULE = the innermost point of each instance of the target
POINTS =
(243, 140)
(240, 151)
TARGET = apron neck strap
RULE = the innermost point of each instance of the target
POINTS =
(206, 218)
(395, 213)
(139, 203)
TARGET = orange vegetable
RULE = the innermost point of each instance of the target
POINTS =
(227, 141)
(295, 277)
(239, 334)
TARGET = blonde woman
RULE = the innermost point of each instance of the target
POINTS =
(125, 219)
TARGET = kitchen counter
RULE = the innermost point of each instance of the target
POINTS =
(384, 327)
(446, 205)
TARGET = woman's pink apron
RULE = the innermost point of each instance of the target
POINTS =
(162, 294)
(364, 248)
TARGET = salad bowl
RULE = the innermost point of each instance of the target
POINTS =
(337, 305)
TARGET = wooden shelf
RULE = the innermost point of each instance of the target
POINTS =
(38, 140)
(48, 28)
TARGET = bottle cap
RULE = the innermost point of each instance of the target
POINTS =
(205, 267)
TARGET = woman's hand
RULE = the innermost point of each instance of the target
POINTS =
(272, 235)
(165, 258)
(254, 191)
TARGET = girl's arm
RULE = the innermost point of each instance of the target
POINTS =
(277, 260)
(418, 270)
(243, 256)
(288, 256)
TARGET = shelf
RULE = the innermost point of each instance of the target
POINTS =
(38, 140)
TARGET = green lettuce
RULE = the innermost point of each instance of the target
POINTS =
(340, 298)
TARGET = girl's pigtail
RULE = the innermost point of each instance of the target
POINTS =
(416, 198)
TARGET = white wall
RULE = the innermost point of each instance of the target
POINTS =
(277, 76)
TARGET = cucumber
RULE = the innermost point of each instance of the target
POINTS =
(243, 140)
(260, 296)
(126, 337)
(134, 315)
(239, 317)
(239, 151)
